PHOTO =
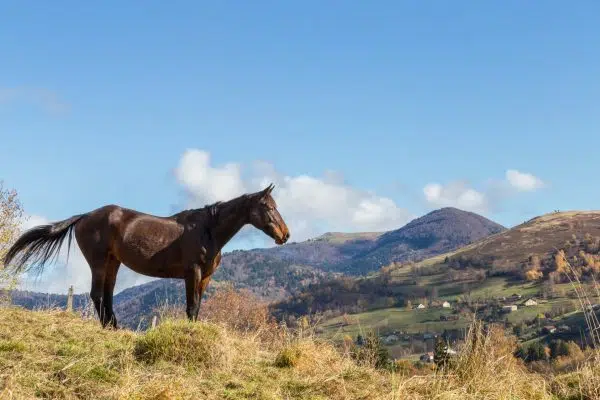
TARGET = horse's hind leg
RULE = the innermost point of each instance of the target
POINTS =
(103, 265)
(112, 268)
(97, 290)
(92, 235)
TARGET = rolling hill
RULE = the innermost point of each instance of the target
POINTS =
(277, 272)
(519, 261)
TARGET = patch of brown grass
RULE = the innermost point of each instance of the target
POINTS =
(54, 354)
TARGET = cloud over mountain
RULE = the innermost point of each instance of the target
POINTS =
(311, 205)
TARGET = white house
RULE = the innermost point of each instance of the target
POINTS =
(446, 304)
(530, 302)
(421, 306)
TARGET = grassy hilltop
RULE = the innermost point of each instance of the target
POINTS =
(55, 354)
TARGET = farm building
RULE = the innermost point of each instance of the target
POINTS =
(509, 308)
(446, 304)
(420, 306)
(530, 302)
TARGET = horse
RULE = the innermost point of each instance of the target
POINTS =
(186, 245)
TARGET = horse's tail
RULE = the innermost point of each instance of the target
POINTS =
(40, 244)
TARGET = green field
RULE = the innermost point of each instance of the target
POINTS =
(390, 319)
(428, 320)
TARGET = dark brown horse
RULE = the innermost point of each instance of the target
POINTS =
(186, 245)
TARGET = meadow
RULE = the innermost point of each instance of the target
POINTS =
(238, 352)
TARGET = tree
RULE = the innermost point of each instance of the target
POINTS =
(372, 352)
(536, 352)
(519, 329)
(558, 348)
(532, 271)
(440, 353)
(560, 262)
(434, 293)
(11, 214)
(360, 340)
(548, 288)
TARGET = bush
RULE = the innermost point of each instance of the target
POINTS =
(239, 310)
(404, 367)
(371, 352)
(288, 357)
(190, 344)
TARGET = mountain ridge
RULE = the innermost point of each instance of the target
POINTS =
(524, 254)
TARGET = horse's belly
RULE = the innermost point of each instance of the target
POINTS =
(156, 257)
(156, 271)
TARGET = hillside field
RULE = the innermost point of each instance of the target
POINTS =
(59, 355)
(421, 321)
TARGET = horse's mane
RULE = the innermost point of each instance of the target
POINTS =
(212, 210)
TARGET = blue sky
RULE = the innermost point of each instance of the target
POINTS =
(99, 103)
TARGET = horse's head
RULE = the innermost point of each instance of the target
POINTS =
(264, 216)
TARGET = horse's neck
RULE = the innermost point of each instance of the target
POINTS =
(230, 220)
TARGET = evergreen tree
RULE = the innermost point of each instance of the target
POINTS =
(440, 354)
(359, 340)
(536, 352)
(371, 351)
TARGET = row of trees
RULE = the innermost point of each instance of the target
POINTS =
(538, 351)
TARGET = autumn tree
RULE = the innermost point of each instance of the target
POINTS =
(11, 214)
(533, 272)
(560, 262)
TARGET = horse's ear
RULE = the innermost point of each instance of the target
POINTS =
(268, 189)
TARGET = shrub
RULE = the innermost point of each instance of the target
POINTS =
(288, 357)
(405, 367)
(182, 342)
(371, 353)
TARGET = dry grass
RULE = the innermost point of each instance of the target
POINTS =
(238, 352)
(59, 355)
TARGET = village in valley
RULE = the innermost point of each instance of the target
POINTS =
(423, 324)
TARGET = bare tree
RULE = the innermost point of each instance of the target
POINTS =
(11, 214)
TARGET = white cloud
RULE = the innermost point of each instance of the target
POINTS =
(57, 277)
(456, 194)
(459, 194)
(310, 205)
(208, 184)
(47, 99)
(523, 181)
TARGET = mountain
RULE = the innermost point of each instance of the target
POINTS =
(34, 300)
(438, 232)
(277, 272)
(501, 262)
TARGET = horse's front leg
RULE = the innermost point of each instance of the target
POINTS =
(193, 277)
